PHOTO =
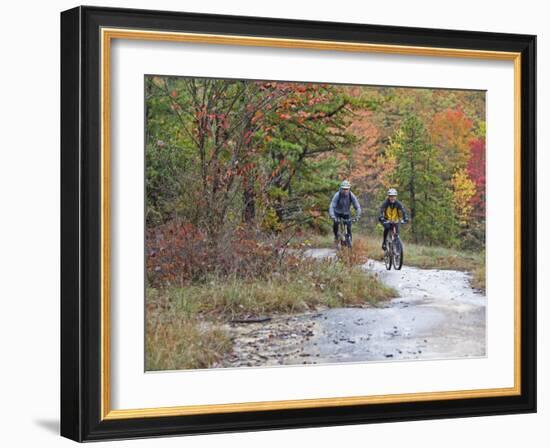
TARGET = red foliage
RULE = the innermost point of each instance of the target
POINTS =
(175, 252)
(476, 171)
(178, 253)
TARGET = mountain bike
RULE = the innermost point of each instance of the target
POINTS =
(393, 255)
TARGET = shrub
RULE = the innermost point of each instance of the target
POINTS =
(179, 253)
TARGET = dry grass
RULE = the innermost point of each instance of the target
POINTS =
(313, 283)
(177, 339)
(478, 278)
(443, 258)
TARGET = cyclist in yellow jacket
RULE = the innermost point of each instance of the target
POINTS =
(392, 212)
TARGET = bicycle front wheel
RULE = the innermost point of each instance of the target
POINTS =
(388, 259)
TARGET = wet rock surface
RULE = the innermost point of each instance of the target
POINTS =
(284, 340)
(438, 315)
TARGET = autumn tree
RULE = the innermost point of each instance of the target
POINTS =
(220, 151)
(366, 166)
(209, 126)
(476, 171)
(302, 135)
(463, 191)
(451, 134)
(417, 176)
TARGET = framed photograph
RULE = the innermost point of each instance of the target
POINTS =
(273, 223)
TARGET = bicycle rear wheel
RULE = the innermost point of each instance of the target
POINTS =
(398, 254)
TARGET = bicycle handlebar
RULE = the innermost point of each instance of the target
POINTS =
(345, 220)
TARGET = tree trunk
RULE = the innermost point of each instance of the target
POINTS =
(249, 212)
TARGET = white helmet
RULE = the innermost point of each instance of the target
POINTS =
(392, 192)
(345, 185)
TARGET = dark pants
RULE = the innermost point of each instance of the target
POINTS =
(336, 224)
(387, 228)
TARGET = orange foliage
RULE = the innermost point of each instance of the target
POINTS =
(368, 166)
(451, 132)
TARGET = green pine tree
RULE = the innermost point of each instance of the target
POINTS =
(417, 176)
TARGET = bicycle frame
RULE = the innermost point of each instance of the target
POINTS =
(345, 238)
(393, 230)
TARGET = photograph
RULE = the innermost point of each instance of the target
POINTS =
(301, 223)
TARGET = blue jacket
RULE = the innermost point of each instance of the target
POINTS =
(339, 206)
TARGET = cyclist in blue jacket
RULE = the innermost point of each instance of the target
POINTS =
(340, 207)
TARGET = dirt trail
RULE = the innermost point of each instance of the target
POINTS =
(437, 315)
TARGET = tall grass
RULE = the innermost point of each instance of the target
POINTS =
(313, 283)
(176, 339)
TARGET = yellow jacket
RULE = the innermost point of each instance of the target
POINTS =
(392, 212)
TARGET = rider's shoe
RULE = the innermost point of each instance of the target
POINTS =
(384, 246)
